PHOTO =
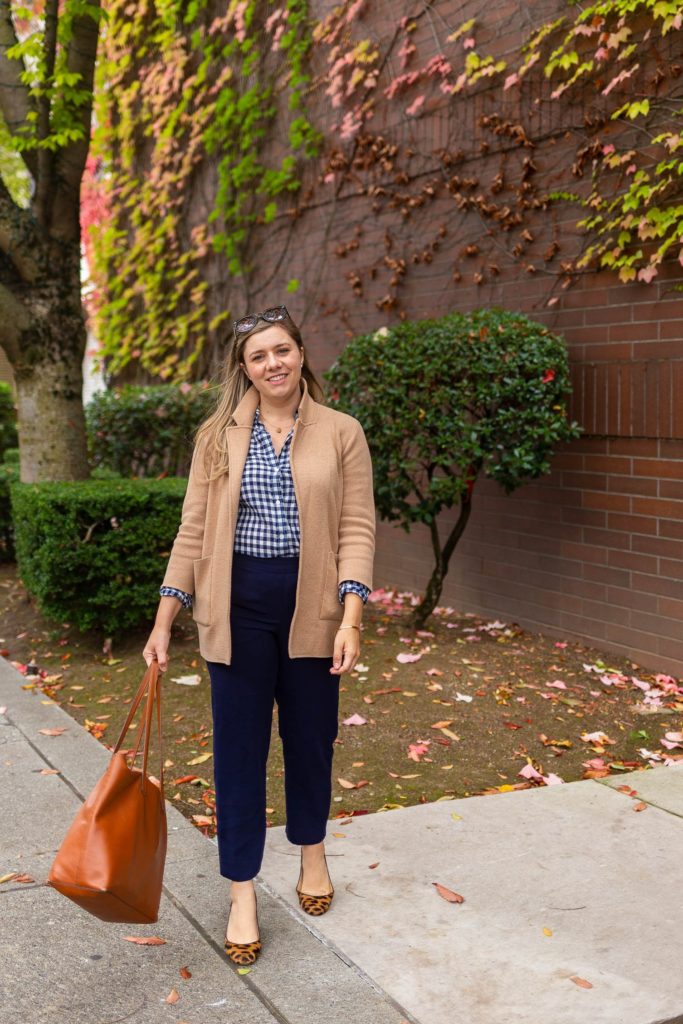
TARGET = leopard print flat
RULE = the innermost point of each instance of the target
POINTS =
(314, 905)
(242, 953)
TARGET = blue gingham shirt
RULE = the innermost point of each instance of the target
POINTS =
(268, 516)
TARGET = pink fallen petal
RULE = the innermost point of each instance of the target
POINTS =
(553, 780)
(529, 772)
(595, 762)
(407, 658)
(559, 684)
(355, 720)
(596, 737)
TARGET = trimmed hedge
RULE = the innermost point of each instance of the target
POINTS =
(9, 472)
(94, 553)
(8, 419)
(145, 431)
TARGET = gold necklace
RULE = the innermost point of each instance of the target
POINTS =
(278, 429)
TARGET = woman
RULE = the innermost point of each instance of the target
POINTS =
(274, 553)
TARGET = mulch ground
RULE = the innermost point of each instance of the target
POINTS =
(465, 707)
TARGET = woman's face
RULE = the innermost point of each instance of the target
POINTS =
(272, 361)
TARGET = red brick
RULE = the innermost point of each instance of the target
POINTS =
(610, 502)
(657, 585)
(673, 568)
(633, 560)
(633, 446)
(585, 481)
(659, 546)
(672, 450)
(634, 524)
(673, 607)
(671, 489)
(612, 463)
(658, 507)
(584, 516)
(671, 528)
(604, 574)
(583, 552)
(629, 598)
(608, 538)
(633, 485)
(658, 468)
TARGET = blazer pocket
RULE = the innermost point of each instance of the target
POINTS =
(201, 604)
(330, 608)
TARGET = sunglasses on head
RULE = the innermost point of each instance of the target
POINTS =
(272, 315)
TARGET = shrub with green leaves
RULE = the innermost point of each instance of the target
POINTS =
(445, 400)
(94, 553)
(8, 419)
(146, 431)
(9, 472)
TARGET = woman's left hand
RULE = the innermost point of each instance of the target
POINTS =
(346, 651)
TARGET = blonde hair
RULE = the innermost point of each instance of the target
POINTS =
(233, 384)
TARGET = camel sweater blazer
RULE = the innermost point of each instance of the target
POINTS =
(332, 474)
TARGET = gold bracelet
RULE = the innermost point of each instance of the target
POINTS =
(348, 627)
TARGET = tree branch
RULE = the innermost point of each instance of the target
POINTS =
(20, 238)
(82, 52)
(16, 101)
(14, 318)
(41, 204)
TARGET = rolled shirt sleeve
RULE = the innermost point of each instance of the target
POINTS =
(353, 587)
(184, 598)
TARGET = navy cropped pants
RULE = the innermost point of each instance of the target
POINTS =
(262, 604)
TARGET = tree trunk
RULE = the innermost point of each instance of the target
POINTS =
(42, 326)
(51, 422)
(48, 368)
(442, 559)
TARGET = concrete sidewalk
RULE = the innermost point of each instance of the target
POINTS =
(571, 860)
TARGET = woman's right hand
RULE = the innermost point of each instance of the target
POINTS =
(156, 647)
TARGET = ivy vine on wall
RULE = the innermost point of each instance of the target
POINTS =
(291, 112)
(203, 86)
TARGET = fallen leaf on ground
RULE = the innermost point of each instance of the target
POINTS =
(201, 759)
(639, 806)
(54, 732)
(173, 996)
(581, 982)
(145, 940)
(187, 680)
(202, 819)
(355, 719)
(448, 894)
(451, 735)
(554, 743)
(185, 973)
(596, 737)
(352, 785)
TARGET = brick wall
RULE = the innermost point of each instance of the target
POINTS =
(593, 551)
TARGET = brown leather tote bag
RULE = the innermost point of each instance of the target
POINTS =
(111, 862)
